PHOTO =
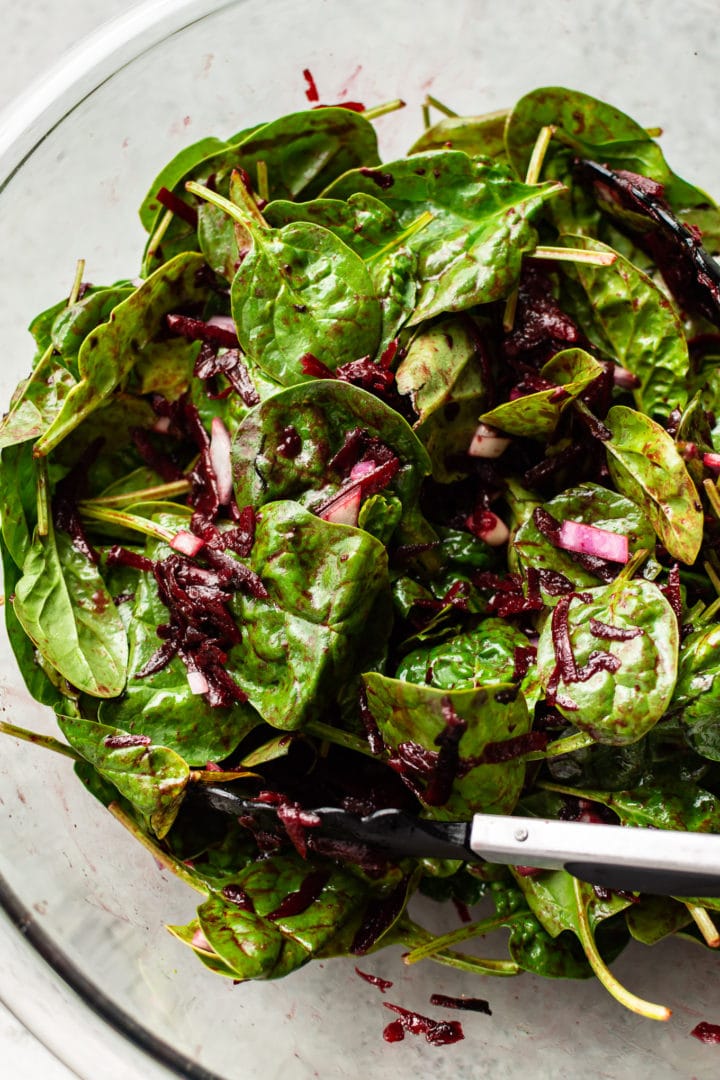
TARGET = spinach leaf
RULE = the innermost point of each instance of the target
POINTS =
(75, 322)
(152, 778)
(592, 505)
(36, 401)
(476, 136)
(18, 500)
(537, 415)
(442, 375)
(632, 322)
(616, 706)
(697, 692)
(172, 174)
(483, 655)
(256, 940)
(673, 805)
(646, 467)
(109, 353)
(594, 129)
(471, 251)
(302, 153)
(656, 917)
(405, 712)
(326, 619)
(322, 412)
(301, 290)
(65, 609)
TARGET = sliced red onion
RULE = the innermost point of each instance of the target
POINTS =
(363, 468)
(197, 682)
(489, 528)
(220, 460)
(487, 442)
(162, 425)
(624, 378)
(712, 461)
(345, 507)
(591, 540)
(225, 322)
(187, 543)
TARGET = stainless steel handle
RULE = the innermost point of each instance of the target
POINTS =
(659, 861)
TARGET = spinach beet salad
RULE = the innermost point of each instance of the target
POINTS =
(387, 484)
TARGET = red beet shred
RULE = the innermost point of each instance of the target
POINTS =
(374, 980)
(707, 1033)
(470, 1004)
(436, 1032)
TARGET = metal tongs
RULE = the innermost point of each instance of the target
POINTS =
(657, 861)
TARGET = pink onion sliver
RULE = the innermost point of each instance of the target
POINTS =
(487, 442)
(187, 543)
(590, 540)
(344, 509)
(712, 461)
(220, 460)
(363, 468)
(225, 322)
(197, 682)
(489, 528)
(199, 941)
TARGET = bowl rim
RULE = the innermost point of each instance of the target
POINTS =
(24, 125)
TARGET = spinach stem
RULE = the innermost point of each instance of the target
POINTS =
(567, 745)
(440, 106)
(712, 574)
(338, 737)
(157, 237)
(240, 214)
(612, 985)
(215, 776)
(713, 496)
(710, 611)
(537, 158)
(47, 741)
(127, 521)
(510, 310)
(654, 132)
(43, 497)
(633, 564)
(575, 255)
(381, 110)
(414, 936)
(705, 925)
(77, 282)
(163, 857)
(263, 187)
(426, 115)
(149, 494)
(455, 937)
(414, 227)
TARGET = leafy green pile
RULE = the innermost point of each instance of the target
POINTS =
(379, 576)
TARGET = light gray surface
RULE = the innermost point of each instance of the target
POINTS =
(36, 35)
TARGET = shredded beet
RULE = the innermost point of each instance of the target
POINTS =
(210, 364)
(384, 180)
(471, 1004)
(564, 656)
(447, 764)
(311, 93)
(436, 1032)
(524, 656)
(496, 753)
(291, 444)
(541, 328)
(177, 206)
(707, 1033)
(597, 661)
(374, 980)
(300, 901)
(236, 895)
(672, 593)
(197, 330)
(296, 822)
(463, 910)
(353, 106)
(614, 633)
(157, 460)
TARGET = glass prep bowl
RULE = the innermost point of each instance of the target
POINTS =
(87, 964)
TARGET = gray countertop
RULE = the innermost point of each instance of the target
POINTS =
(36, 36)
